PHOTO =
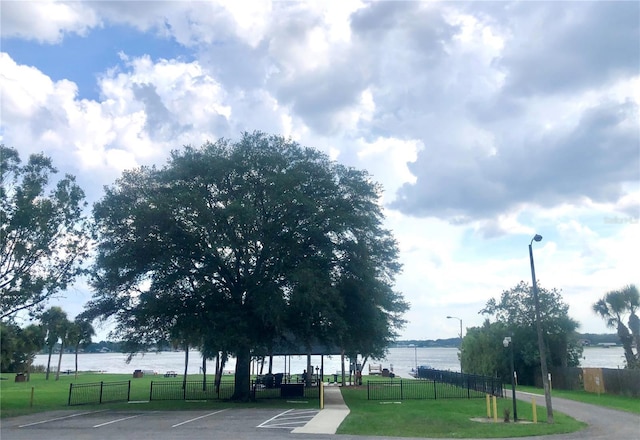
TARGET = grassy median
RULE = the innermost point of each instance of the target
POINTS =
(37, 395)
(624, 403)
(444, 418)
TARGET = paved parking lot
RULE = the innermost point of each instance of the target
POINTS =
(236, 424)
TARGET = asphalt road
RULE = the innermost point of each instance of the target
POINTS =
(263, 424)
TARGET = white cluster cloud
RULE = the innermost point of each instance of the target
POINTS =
(46, 21)
(486, 122)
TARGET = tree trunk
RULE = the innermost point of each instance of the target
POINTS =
(242, 384)
(627, 343)
(186, 365)
(364, 362)
(59, 361)
(77, 346)
(204, 373)
(634, 326)
(218, 375)
(309, 370)
(46, 377)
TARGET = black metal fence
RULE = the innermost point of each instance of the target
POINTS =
(470, 382)
(190, 390)
(99, 392)
(435, 384)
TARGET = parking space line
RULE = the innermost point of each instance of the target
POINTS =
(296, 417)
(262, 425)
(288, 424)
(197, 418)
(60, 418)
(117, 420)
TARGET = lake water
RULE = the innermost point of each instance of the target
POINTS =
(400, 360)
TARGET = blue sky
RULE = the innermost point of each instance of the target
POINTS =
(486, 122)
(82, 59)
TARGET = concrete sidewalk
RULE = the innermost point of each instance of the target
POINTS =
(329, 418)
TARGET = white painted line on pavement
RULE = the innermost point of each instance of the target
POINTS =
(60, 418)
(261, 425)
(117, 420)
(197, 418)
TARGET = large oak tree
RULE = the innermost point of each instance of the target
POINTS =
(246, 244)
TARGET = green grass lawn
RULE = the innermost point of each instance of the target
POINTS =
(625, 403)
(444, 418)
(15, 397)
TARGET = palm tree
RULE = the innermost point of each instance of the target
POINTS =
(32, 338)
(65, 327)
(632, 299)
(79, 335)
(612, 308)
(52, 321)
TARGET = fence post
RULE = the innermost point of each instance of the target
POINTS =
(151, 391)
(129, 391)
(401, 394)
(435, 392)
(101, 383)
(70, 388)
(368, 387)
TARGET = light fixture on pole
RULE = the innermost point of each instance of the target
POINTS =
(454, 317)
(541, 348)
(507, 342)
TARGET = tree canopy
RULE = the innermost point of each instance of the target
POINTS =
(43, 235)
(19, 346)
(244, 245)
(482, 348)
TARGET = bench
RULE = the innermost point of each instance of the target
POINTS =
(170, 374)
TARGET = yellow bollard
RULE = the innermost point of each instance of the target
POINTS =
(321, 395)
(534, 408)
(488, 407)
(495, 410)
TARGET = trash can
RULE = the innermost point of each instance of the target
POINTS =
(278, 379)
(20, 377)
(137, 374)
(267, 380)
(292, 390)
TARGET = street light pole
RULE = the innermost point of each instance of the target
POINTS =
(453, 317)
(508, 342)
(541, 348)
